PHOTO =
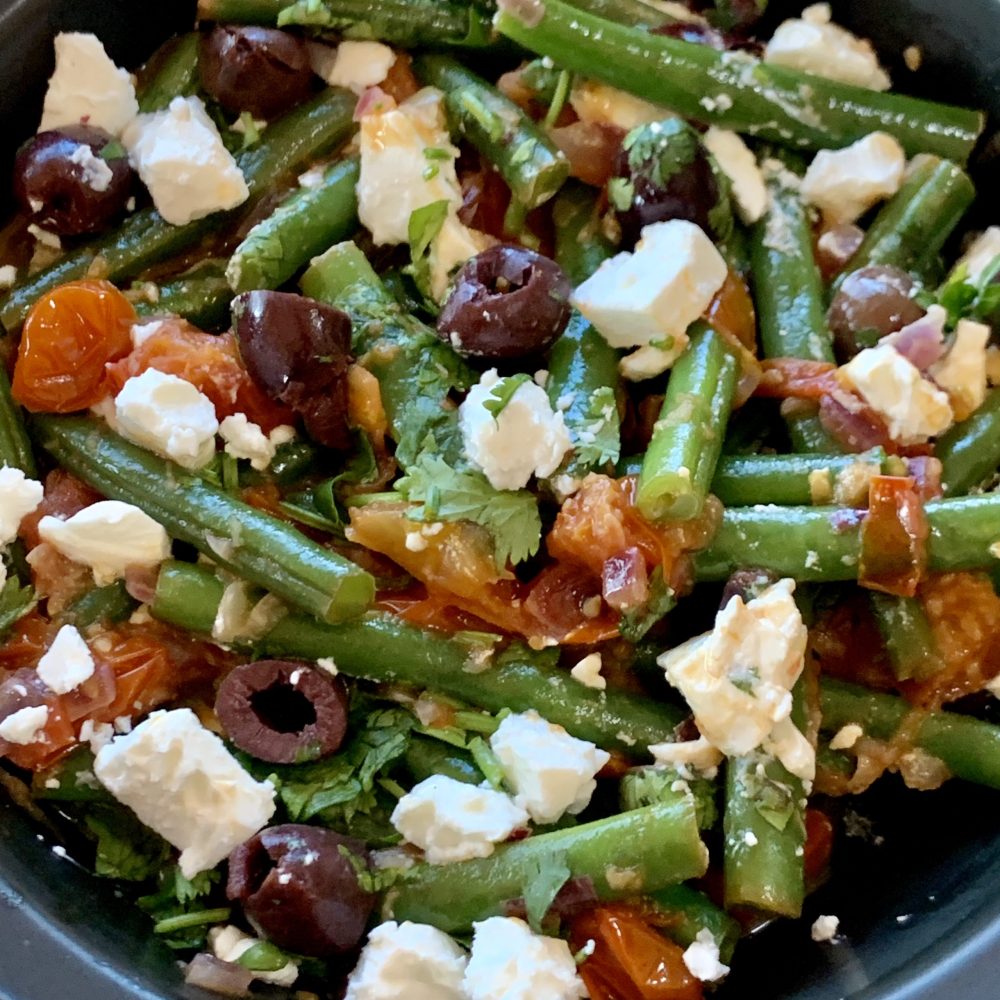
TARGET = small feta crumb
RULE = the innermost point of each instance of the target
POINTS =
(141, 332)
(229, 943)
(646, 363)
(702, 958)
(97, 734)
(326, 663)
(43, 236)
(415, 541)
(108, 536)
(354, 65)
(182, 782)
(984, 251)
(25, 726)
(606, 105)
(846, 736)
(750, 838)
(825, 928)
(312, 178)
(962, 371)
(698, 754)
(169, 416)
(97, 175)
(409, 960)
(19, 496)
(844, 183)
(510, 962)
(53, 783)
(67, 663)
(245, 439)
(588, 672)
(738, 163)
(87, 87)
(526, 438)
(8, 276)
(182, 159)
(652, 295)
(550, 771)
(913, 56)
(453, 821)
(123, 724)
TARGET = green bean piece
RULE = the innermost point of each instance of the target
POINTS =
(175, 74)
(144, 239)
(637, 851)
(530, 163)
(632, 12)
(686, 911)
(969, 748)
(408, 23)
(907, 635)
(915, 223)
(466, 666)
(247, 541)
(309, 221)
(759, 99)
(201, 296)
(15, 446)
(821, 544)
(425, 757)
(112, 603)
(687, 438)
(970, 451)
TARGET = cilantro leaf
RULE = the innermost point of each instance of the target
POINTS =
(598, 440)
(621, 191)
(546, 876)
(15, 602)
(511, 516)
(424, 225)
(647, 786)
(125, 848)
(963, 298)
(180, 897)
(636, 623)
(113, 150)
(503, 392)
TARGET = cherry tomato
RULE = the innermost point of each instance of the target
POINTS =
(69, 337)
(25, 689)
(732, 312)
(819, 846)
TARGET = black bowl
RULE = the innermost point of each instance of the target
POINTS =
(914, 889)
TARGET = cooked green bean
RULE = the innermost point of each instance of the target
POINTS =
(201, 296)
(688, 911)
(15, 446)
(970, 451)
(176, 74)
(907, 635)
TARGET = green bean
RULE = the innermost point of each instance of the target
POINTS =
(381, 648)
(175, 74)
(907, 635)
(408, 23)
(247, 541)
(687, 437)
(201, 296)
(743, 94)
(633, 852)
(631, 12)
(969, 748)
(100, 604)
(690, 911)
(533, 167)
(305, 224)
(915, 223)
(970, 451)
(144, 239)
(425, 757)
(15, 446)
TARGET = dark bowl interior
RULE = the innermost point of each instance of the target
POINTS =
(915, 890)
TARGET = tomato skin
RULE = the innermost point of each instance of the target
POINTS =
(69, 337)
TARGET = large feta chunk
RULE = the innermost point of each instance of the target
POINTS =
(397, 175)
(245, 439)
(19, 496)
(168, 415)
(67, 663)
(598, 102)
(738, 163)
(453, 821)
(229, 943)
(182, 782)
(962, 371)
(415, 961)
(181, 158)
(550, 771)
(510, 962)
(526, 438)
(913, 407)
(702, 958)
(738, 678)
(354, 65)
(814, 44)
(108, 536)
(652, 295)
(87, 87)
(984, 250)
(844, 183)
(25, 726)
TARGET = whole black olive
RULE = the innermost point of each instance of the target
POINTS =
(73, 180)
(871, 303)
(299, 890)
(506, 302)
(298, 352)
(282, 711)
(663, 172)
(261, 70)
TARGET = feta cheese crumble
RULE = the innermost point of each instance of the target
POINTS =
(354, 65)
(25, 726)
(229, 943)
(697, 755)
(962, 371)
(526, 438)
(652, 295)
(510, 962)
(182, 782)
(846, 736)
(984, 250)
(702, 958)
(19, 496)
(182, 159)
(409, 960)
(825, 928)
(598, 102)
(169, 416)
(550, 771)
(844, 183)
(67, 663)
(245, 439)
(97, 175)
(453, 821)
(588, 672)
(738, 163)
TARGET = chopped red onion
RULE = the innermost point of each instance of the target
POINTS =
(921, 342)
(224, 978)
(625, 581)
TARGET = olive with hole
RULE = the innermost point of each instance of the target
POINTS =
(299, 888)
(283, 711)
(261, 70)
(506, 303)
(73, 180)
(871, 303)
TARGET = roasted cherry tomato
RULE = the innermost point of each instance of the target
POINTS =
(69, 337)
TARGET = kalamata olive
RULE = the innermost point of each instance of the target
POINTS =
(746, 584)
(283, 711)
(299, 890)
(872, 302)
(664, 172)
(298, 351)
(72, 180)
(261, 70)
(506, 302)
